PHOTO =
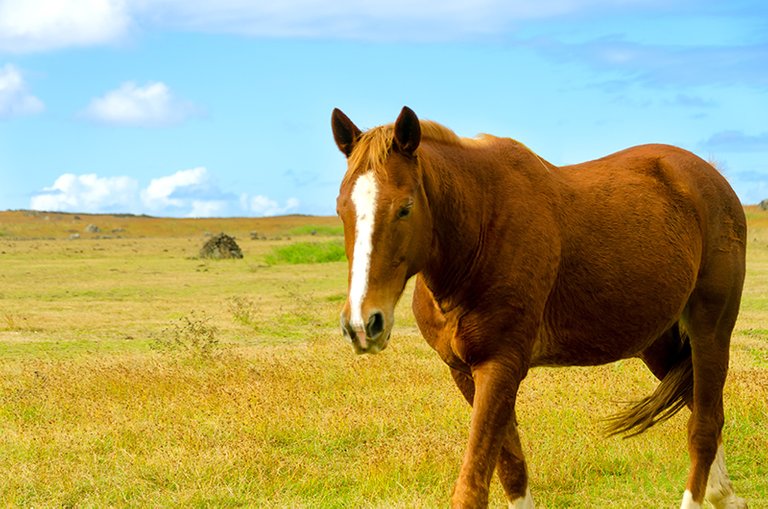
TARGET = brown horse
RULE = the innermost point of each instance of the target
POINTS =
(521, 263)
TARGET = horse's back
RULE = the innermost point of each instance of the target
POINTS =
(670, 186)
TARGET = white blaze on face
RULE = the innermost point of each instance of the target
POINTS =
(364, 198)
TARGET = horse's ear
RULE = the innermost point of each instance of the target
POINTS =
(407, 132)
(345, 132)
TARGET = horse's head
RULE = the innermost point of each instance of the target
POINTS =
(387, 223)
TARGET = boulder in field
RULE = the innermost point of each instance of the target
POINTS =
(221, 246)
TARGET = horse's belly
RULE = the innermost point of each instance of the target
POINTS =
(594, 344)
(589, 325)
(588, 349)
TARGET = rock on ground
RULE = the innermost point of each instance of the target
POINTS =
(221, 246)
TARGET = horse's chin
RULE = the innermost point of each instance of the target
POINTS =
(372, 347)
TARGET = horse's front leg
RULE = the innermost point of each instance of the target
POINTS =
(510, 466)
(495, 389)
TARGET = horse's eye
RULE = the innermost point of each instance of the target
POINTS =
(404, 212)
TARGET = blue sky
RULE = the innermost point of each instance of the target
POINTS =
(198, 108)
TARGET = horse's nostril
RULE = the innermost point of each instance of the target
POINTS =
(375, 325)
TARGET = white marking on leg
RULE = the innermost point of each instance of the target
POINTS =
(364, 198)
(525, 502)
(688, 502)
(719, 488)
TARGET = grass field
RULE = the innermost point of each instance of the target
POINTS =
(134, 374)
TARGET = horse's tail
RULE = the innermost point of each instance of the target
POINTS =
(672, 394)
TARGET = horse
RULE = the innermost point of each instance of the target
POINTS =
(520, 263)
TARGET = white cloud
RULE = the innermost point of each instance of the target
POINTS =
(152, 105)
(263, 206)
(88, 193)
(185, 193)
(161, 192)
(15, 98)
(39, 25)
(188, 193)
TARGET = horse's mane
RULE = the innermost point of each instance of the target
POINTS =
(374, 145)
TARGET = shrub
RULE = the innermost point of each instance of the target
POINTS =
(243, 310)
(191, 335)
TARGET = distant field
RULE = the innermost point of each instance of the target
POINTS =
(134, 374)
(25, 224)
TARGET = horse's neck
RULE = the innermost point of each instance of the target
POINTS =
(468, 192)
(460, 201)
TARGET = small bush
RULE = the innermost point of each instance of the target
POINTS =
(191, 335)
(243, 310)
(307, 252)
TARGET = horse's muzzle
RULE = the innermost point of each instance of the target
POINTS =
(368, 339)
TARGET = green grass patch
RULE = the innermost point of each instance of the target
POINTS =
(760, 333)
(759, 357)
(307, 252)
(321, 230)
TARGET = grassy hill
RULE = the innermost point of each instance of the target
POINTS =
(26, 224)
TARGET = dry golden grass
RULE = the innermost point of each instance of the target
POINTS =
(280, 412)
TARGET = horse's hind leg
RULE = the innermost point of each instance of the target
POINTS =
(510, 466)
(709, 320)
